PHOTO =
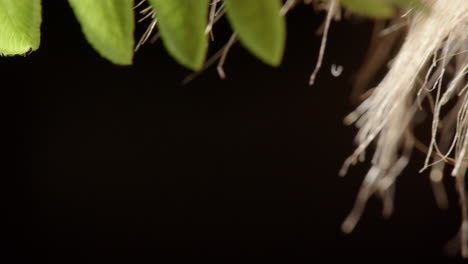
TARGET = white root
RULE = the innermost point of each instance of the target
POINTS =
(331, 12)
(387, 116)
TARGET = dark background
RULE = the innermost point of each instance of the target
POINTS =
(127, 163)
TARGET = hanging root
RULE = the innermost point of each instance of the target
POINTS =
(431, 67)
(147, 13)
(331, 13)
(216, 13)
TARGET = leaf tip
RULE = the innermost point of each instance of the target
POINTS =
(194, 65)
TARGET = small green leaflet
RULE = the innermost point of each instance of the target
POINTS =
(108, 25)
(20, 26)
(182, 25)
(377, 8)
(259, 26)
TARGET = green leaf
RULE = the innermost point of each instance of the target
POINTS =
(182, 25)
(373, 8)
(418, 4)
(108, 25)
(20, 26)
(378, 8)
(260, 27)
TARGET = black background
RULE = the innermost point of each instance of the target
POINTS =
(125, 162)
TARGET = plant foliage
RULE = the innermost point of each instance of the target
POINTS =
(20, 22)
(259, 27)
(182, 26)
(109, 26)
